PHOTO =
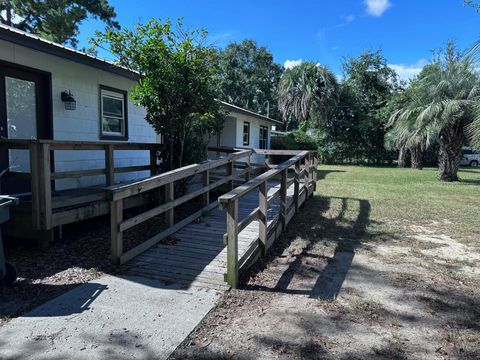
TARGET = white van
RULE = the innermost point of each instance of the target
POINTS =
(470, 158)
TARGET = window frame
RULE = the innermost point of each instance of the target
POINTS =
(105, 135)
(263, 139)
(246, 143)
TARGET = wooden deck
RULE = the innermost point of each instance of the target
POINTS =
(196, 254)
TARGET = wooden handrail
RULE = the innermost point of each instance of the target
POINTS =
(230, 202)
(123, 191)
(117, 194)
(255, 183)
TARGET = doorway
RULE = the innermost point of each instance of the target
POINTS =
(25, 114)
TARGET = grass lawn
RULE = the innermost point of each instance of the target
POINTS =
(381, 263)
(398, 197)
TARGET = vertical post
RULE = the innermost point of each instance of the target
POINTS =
(232, 243)
(296, 185)
(230, 170)
(116, 217)
(109, 165)
(41, 185)
(169, 196)
(263, 216)
(153, 161)
(305, 175)
(248, 162)
(309, 173)
(283, 198)
(35, 184)
(206, 182)
(315, 166)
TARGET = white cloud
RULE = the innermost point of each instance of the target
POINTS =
(377, 7)
(345, 20)
(288, 64)
(407, 72)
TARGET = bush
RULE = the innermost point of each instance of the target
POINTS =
(296, 140)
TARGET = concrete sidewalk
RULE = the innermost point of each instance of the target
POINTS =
(109, 318)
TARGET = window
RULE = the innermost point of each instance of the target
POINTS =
(246, 133)
(113, 114)
(263, 141)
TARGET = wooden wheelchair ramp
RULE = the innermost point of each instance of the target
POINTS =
(214, 245)
(196, 254)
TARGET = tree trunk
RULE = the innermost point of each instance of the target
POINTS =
(416, 156)
(449, 153)
(402, 153)
(8, 10)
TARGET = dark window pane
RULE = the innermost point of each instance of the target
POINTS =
(111, 124)
(112, 106)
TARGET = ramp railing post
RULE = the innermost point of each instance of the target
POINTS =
(232, 243)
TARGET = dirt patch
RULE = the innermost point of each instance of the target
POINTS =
(333, 290)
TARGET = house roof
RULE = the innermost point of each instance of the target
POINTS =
(249, 113)
(35, 42)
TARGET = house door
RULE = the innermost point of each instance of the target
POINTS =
(24, 114)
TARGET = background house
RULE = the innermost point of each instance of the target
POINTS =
(245, 129)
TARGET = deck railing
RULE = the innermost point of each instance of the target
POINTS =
(42, 173)
(117, 194)
(304, 164)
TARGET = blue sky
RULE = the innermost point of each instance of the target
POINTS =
(322, 31)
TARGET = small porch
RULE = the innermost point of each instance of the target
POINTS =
(43, 208)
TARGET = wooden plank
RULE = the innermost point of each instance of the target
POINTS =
(232, 244)
(263, 214)
(153, 162)
(77, 173)
(66, 201)
(116, 216)
(283, 198)
(250, 250)
(169, 206)
(80, 213)
(109, 165)
(123, 191)
(254, 183)
(44, 186)
(156, 238)
(35, 184)
(125, 169)
(296, 185)
(169, 214)
(250, 217)
(230, 172)
(206, 182)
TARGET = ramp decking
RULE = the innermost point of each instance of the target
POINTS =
(196, 254)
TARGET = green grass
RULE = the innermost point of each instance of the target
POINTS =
(404, 197)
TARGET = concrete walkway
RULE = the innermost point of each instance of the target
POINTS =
(109, 318)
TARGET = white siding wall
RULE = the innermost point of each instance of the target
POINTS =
(254, 133)
(232, 133)
(83, 124)
(228, 137)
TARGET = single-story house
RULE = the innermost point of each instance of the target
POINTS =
(245, 129)
(50, 91)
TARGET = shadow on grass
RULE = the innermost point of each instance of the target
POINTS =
(322, 174)
(470, 181)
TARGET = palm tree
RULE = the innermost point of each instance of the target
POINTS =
(446, 103)
(403, 134)
(307, 92)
